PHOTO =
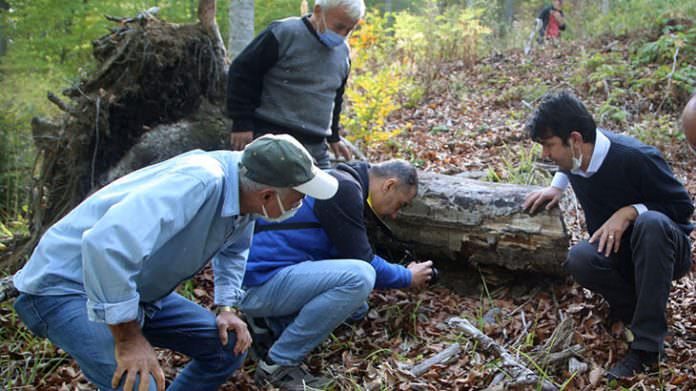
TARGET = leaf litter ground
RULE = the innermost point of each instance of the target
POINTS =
(472, 122)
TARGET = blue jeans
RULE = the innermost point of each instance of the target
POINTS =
(305, 302)
(179, 325)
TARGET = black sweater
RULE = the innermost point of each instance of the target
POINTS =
(632, 173)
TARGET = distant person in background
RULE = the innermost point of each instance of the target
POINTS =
(689, 123)
(552, 21)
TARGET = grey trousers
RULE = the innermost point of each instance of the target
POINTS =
(636, 280)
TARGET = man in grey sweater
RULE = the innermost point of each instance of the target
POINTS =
(291, 79)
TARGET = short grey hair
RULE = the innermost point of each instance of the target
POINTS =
(355, 8)
(250, 186)
(400, 169)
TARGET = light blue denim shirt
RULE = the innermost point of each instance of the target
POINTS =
(135, 240)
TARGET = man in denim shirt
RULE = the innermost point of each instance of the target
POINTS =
(100, 282)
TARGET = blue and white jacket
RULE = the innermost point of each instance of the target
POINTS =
(321, 230)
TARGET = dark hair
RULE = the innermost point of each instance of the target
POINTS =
(559, 114)
(396, 168)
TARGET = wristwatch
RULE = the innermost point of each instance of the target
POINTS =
(224, 308)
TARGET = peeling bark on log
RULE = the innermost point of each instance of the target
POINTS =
(462, 220)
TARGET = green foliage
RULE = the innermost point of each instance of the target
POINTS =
(519, 167)
(426, 41)
(656, 130)
(372, 96)
(266, 11)
(655, 74)
(32, 359)
(395, 59)
(625, 16)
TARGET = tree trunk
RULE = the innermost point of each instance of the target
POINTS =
(241, 17)
(4, 7)
(463, 221)
(605, 7)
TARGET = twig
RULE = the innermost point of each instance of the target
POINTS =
(606, 87)
(520, 373)
(439, 358)
(62, 105)
(668, 90)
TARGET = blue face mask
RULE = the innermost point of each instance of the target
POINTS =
(329, 37)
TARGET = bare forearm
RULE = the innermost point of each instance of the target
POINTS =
(127, 331)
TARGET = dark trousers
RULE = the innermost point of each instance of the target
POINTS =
(315, 145)
(636, 280)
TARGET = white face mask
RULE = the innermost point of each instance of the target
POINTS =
(284, 215)
(577, 161)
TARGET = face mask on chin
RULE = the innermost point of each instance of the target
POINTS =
(284, 215)
(330, 38)
(577, 162)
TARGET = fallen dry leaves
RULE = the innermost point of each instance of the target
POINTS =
(473, 123)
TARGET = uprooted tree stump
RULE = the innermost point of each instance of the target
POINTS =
(154, 83)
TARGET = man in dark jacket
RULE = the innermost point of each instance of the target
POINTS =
(307, 275)
(637, 213)
(291, 79)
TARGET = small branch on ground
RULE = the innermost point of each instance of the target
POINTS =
(668, 90)
(520, 374)
(440, 358)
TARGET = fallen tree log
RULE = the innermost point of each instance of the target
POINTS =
(465, 221)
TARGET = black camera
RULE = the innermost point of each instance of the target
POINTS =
(434, 276)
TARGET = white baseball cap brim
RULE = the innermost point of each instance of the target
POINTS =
(322, 186)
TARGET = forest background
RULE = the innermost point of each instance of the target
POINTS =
(444, 84)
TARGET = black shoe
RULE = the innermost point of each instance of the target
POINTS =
(290, 378)
(636, 361)
(615, 316)
(261, 336)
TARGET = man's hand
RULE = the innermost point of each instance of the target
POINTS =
(134, 355)
(609, 234)
(239, 140)
(227, 320)
(550, 195)
(340, 149)
(420, 273)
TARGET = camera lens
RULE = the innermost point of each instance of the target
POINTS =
(434, 276)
